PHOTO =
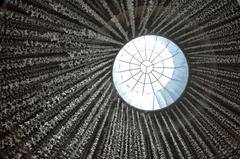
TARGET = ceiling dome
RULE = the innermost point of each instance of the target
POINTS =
(150, 72)
(58, 98)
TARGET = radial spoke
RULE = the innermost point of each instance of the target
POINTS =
(153, 49)
(138, 50)
(144, 83)
(131, 77)
(153, 92)
(137, 82)
(160, 52)
(166, 58)
(161, 84)
(177, 67)
(128, 70)
(145, 48)
(132, 55)
(167, 76)
(129, 62)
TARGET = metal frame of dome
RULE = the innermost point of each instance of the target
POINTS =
(183, 92)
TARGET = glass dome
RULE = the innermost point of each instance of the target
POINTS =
(150, 72)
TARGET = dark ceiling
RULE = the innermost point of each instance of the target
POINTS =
(57, 99)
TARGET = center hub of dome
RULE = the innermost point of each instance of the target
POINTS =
(146, 67)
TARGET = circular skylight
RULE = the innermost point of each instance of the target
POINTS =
(150, 72)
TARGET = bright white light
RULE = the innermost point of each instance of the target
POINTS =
(150, 72)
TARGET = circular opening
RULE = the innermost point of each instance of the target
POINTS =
(150, 72)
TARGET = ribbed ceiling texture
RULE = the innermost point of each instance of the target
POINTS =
(57, 98)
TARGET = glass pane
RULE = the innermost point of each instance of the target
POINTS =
(150, 72)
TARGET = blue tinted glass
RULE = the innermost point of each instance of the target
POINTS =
(150, 72)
